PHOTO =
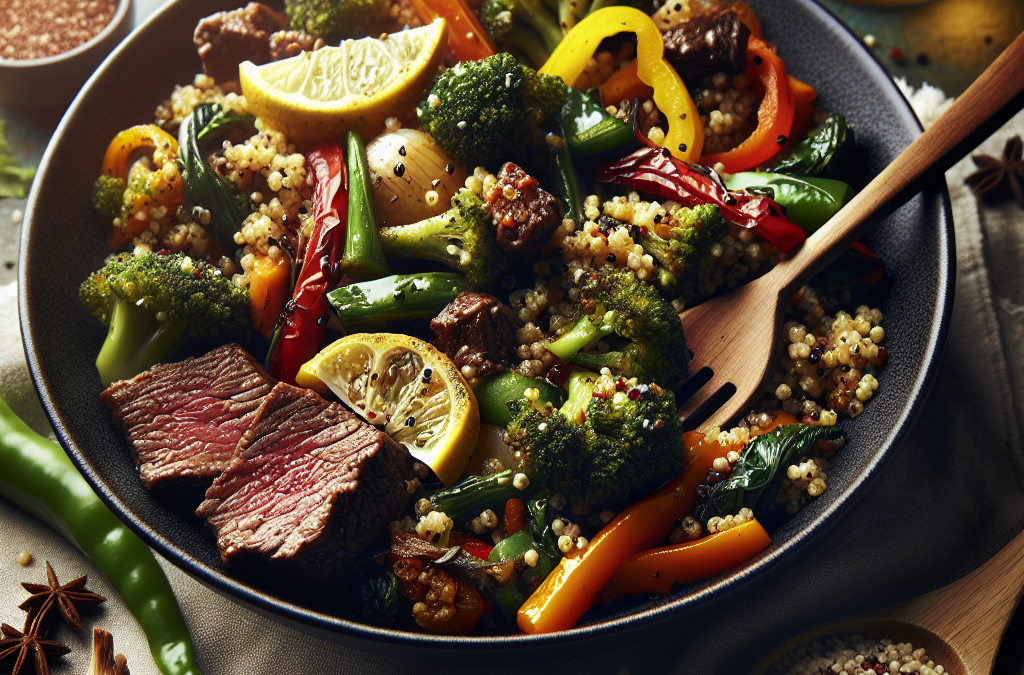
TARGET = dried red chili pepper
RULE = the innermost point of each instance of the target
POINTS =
(303, 325)
(657, 172)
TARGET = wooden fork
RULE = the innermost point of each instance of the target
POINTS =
(736, 335)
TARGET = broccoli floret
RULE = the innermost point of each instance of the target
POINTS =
(462, 237)
(612, 442)
(108, 198)
(692, 233)
(528, 18)
(152, 301)
(613, 300)
(481, 112)
(334, 20)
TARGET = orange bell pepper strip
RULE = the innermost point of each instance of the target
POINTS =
(655, 570)
(268, 291)
(571, 588)
(774, 115)
(804, 97)
(467, 39)
(624, 85)
(685, 137)
(141, 137)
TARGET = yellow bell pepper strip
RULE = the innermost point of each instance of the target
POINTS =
(655, 570)
(685, 137)
(141, 137)
(467, 39)
(774, 115)
(268, 291)
(624, 85)
(569, 591)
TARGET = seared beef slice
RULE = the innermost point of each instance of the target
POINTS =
(183, 420)
(309, 483)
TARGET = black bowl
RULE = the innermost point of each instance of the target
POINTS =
(61, 245)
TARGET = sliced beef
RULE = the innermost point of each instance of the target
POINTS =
(525, 215)
(310, 483)
(182, 420)
(225, 39)
(707, 44)
(476, 330)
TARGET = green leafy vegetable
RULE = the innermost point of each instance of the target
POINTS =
(755, 478)
(204, 187)
(827, 152)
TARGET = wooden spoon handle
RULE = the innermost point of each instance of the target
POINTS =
(971, 614)
(994, 89)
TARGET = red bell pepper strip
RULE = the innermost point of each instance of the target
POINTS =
(656, 171)
(774, 115)
(467, 38)
(303, 325)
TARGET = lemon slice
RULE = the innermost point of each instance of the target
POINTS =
(408, 389)
(320, 95)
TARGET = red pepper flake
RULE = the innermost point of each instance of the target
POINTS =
(897, 55)
(600, 394)
(558, 374)
(370, 414)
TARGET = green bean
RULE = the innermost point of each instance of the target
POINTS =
(37, 475)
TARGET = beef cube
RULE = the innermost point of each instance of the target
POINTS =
(476, 330)
(225, 39)
(525, 215)
(183, 420)
(310, 482)
(707, 44)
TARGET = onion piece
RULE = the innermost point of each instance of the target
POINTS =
(406, 167)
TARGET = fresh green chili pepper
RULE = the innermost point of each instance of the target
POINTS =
(397, 298)
(204, 187)
(495, 391)
(363, 259)
(809, 202)
(589, 129)
(827, 152)
(37, 475)
(568, 185)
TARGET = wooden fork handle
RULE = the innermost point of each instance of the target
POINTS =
(991, 93)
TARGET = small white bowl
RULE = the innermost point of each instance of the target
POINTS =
(54, 80)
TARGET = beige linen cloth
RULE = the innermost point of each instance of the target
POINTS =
(978, 401)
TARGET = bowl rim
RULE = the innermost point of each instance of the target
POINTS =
(123, 6)
(371, 637)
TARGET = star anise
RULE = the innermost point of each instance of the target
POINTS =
(31, 649)
(993, 174)
(46, 597)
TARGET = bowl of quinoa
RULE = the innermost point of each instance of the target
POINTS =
(49, 48)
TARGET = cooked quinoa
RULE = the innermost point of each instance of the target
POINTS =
(609, 235)
(856, 654)
(826, 364)
(728, 111)
(183, 100)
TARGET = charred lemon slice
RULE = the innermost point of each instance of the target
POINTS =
(408, 389)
